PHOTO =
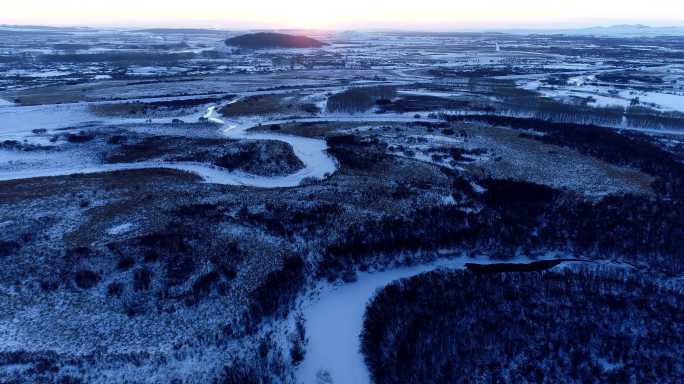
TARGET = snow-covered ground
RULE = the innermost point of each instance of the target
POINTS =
(36, 74)
(334, 321)
(607, 96)
(665, 101)
(120, 229)
(423, 92)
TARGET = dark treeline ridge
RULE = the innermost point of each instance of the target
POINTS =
(512, 218)
(583, 326)
(634, 228)
(536, 266)
(629, 149)
(122, 58)
(419, 103)
(360, 99)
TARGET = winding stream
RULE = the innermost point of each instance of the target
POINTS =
(312, 152)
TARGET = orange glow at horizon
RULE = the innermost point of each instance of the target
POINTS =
(344, 14)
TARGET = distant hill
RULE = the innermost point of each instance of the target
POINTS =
(623, 30)
(180, 31)
(266, 40)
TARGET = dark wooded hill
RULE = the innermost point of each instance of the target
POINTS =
(267, 40)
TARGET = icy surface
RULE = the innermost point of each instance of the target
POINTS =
(120, 229)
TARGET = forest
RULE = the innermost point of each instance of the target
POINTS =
(568, 326)
(360, 99)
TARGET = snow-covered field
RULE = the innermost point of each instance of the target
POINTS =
(663, 101)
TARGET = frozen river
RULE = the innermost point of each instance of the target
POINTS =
(19, 123)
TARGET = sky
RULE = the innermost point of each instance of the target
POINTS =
(360, 14)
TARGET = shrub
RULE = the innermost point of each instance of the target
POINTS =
(86, 279)
(126, 263)
(81, 137)
(115, 289)
(142, 279)
(8, 247)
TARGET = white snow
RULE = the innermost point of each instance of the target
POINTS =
(423, 92)
(135, 70)
(43, 74)
(120, 229)
(609, 101)
(16, 122)
(607, 96)
(666, 101)
(608, 366)
(5, 103)
(211, 116)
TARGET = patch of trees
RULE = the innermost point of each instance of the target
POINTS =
(417, 103)
(139, 107)
(120, 58)
(462, 154)
(243, 374)
(277, 293)
(628, 78)
(14, 145)
(516, 217)
(536, 266)
(157, 146)
(289, 220)
(255, 157)
(481, 72)
(86, 279)
(261, 158)
(543, 327)
(356, 153)
(169, 260)
(8, 248)
(204, 211)
(81, 137)
(360, 99)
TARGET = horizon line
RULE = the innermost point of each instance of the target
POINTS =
(413, 28)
